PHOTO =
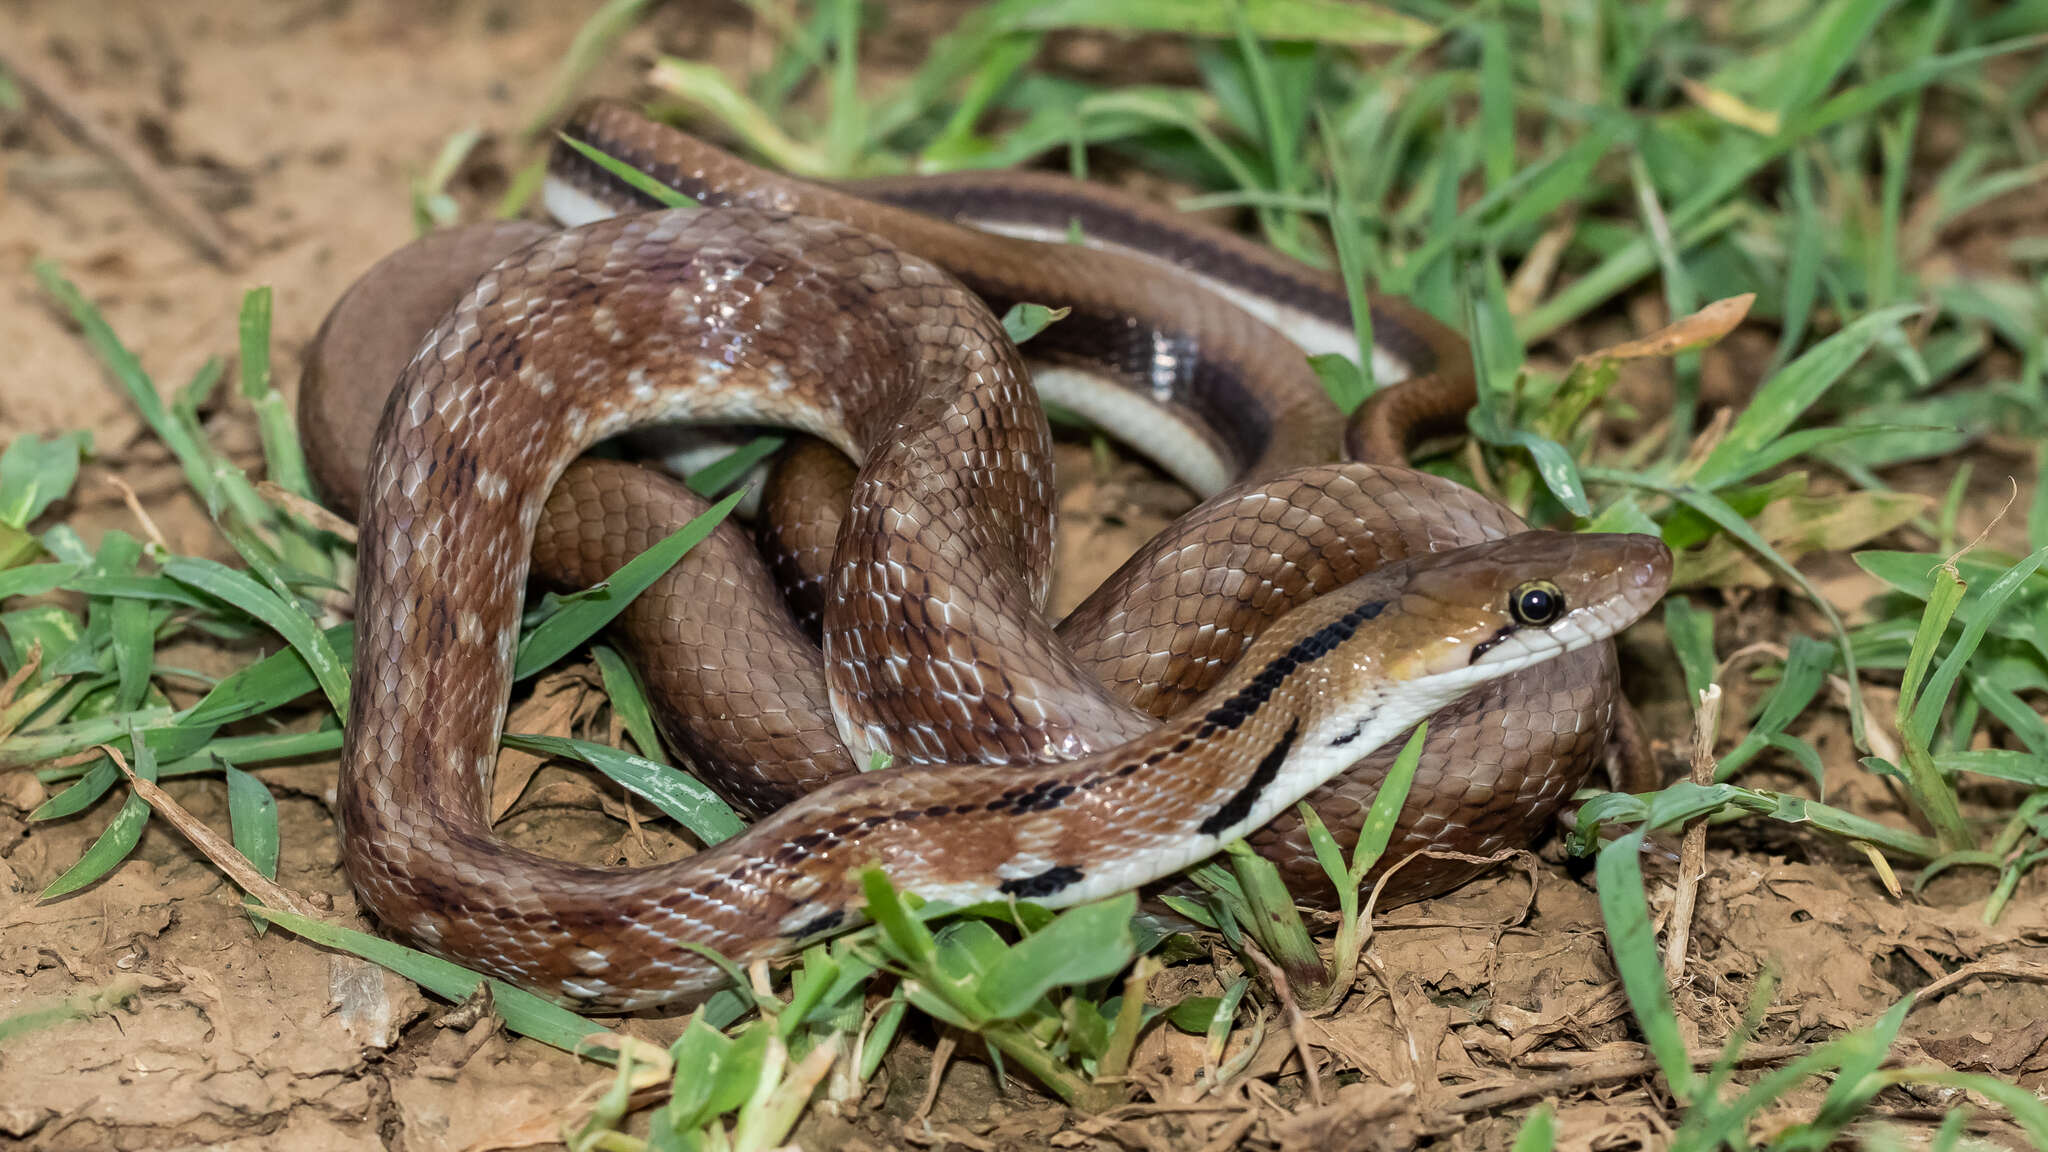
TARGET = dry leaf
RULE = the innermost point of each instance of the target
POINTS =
(1726, 106)
(1695, 331)
(552, 710)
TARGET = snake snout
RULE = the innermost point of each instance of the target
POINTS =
(1615, 578)
(1645, 569)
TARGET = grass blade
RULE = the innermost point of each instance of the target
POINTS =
(119, 838)
(523, 1012)
(36, 473)
(1788, 395)
(681, 798)
(1927, 709)
(298, 629)
(1084, 944)
(1634, 946)
(281, 454)
(581, 616)
(629, 701)
(728, 469)
(1692, 638)
(252, 815)
(268, 684)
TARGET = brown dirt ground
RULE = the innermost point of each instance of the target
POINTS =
(297, 126)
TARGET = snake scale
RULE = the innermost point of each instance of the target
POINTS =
(1275, 643)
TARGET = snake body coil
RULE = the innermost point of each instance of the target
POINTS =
(1027, 777)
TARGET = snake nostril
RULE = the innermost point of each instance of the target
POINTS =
(1649, 561)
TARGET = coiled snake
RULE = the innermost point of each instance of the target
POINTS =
(1274, 644)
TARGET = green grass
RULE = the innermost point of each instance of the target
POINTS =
(1520, 170)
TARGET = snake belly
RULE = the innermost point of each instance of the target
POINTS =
(933, 639)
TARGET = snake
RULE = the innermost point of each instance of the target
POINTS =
(1276, 643)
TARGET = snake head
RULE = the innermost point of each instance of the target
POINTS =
(1368, 660)
(1486, 610)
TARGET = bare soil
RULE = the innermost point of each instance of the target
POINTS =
(296, 127)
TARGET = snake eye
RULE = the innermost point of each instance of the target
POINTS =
(1536, 603)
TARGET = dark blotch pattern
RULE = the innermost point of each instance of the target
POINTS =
(1250, 698)
(1486, 645)
(1239, 806)
(1046, 883)
(823, 924)
(1042, 797)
